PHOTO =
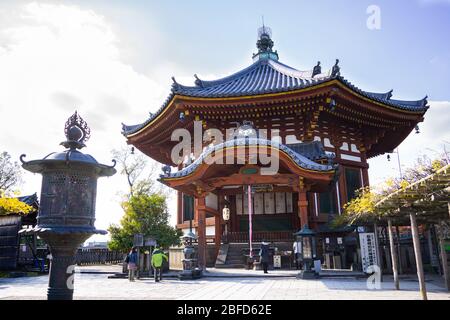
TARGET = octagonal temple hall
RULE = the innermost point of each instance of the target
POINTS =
(320, 128)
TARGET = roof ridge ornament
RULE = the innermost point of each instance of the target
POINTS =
(265, 44)
(317, 70)
(336, 71)
(77, 132)
(389, 94)
(198, 81)
(175, 84)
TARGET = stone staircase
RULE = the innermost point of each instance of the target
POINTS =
(232, 255)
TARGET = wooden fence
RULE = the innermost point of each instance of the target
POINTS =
(90, 256)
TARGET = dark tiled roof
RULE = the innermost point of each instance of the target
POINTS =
(270, 76)
(29, 200)
(312, 150)
(263, 76)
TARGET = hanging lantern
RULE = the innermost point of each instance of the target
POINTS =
(226, 213)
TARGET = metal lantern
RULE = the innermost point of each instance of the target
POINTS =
(67, 209)
(307, 239)
(190, 269)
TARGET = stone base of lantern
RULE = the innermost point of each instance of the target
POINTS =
(63, 243)
(307, 275)
(190, 274)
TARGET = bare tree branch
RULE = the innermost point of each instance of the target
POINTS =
(10, 172)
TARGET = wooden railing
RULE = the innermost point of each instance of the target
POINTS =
(271, 236)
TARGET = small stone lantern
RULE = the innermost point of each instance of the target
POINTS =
(307, 239)
(190, 269)
(67, 207)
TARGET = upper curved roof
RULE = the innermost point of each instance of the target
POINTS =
(271, 76)
(268, 75)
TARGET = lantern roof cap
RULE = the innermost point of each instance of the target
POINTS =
(189, 235)
(77, 133)
(305, 231)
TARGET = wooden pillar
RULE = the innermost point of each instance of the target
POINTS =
(303, 208)
(418, 254)
(217, 232)
(443, 255)
(200, 212)
(393, 256)
(399, 250)
(377, 245)
(180, 207)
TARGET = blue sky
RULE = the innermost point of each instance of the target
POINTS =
(411, 52)
(112, 61)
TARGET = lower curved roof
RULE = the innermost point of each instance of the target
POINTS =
(300, 160)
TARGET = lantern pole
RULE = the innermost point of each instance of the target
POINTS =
(250, 227)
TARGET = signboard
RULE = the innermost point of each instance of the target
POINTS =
(280, 200)
(269, 203)
(150, 242)
(261, 188)
(258, 203)
(361, 229)
(138, 240)
(289, 207)
(277, 261)
(368, 250)
(239, 204)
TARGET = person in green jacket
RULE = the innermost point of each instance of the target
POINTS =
(158, 257)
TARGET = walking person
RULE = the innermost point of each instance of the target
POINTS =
(264, 255)
(158, 257)
(131, 261)
(297, 247)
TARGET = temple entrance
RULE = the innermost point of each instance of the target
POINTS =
(274, 217)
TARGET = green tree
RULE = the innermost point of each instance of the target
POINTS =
(146, 214)
(145, 206)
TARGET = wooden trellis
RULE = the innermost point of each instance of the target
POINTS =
(426, 201)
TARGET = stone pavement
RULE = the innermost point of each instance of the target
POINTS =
(98, 286)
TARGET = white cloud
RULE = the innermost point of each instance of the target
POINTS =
(55, 59)
(434, 135)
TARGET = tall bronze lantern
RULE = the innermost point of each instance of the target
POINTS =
(67, 208)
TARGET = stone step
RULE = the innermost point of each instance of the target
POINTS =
(231, 266)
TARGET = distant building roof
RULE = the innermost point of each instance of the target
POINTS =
(31, 200)
(312, 150)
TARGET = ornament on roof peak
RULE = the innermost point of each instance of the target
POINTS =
(265, 45)
(77, 132)
(317, 70)
(336, 71)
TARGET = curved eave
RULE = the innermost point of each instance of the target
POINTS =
(298, 162)
(131, 131)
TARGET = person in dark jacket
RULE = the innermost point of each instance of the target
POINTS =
(132, 260)
(264, 254)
